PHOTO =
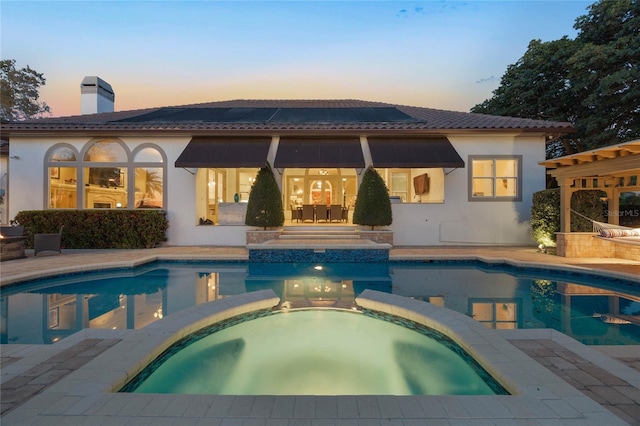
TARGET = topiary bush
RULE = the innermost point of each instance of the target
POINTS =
(373, 207)
(264, 208)
(97, 229)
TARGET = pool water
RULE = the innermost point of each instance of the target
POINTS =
(317, 352)
(500, 297)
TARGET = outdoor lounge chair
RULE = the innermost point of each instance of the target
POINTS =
(47, 242)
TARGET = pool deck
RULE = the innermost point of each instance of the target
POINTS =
(34, 375)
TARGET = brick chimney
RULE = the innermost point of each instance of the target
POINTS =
(96, 96)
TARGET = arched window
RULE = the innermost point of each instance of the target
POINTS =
(149, 172)
(61, 164)
(106, 174)
(105, 169)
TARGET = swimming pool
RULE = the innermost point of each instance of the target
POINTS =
(500, 297)
(316, 352)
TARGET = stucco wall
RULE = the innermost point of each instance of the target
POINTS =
(456, 221)
(459, 221)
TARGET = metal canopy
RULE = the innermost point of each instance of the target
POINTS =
(319, 152)
(408, 152)
(225, 152)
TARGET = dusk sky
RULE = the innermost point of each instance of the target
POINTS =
(437, 54)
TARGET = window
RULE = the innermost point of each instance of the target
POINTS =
(495, 178)
(400, 185)
(415, 185)
(104, 176)
(62, 177)
(149, 174)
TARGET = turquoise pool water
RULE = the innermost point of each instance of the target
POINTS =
(316, 352)
(500, 297)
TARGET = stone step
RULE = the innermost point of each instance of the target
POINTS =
(308, 236)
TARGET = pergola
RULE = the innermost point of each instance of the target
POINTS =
(612, 170)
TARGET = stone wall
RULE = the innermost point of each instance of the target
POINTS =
(12, 248)
(587, 244)
(258, 236)
(381, 237)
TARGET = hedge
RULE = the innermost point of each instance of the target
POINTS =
(97, 229)
(545, 213)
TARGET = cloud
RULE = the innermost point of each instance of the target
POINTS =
(439, 7)
(406, 13)
(487, 80)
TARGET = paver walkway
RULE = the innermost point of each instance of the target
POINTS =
(19, 389)
(613, 393)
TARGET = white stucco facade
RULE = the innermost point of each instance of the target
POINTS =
(454, 221)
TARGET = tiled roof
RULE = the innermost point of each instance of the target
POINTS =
(405, 118)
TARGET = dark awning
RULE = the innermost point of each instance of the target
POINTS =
(319, 152)
(225, 152)
(403, 152)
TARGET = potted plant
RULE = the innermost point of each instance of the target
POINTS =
(264, 208)
(373, 207)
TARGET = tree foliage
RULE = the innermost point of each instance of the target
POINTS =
(593, 81)
(264, 208)
(19, 97)
(373, 207)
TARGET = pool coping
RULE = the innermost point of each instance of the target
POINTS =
(140, 260)
(90, 391)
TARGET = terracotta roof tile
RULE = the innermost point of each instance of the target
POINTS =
(422, 119)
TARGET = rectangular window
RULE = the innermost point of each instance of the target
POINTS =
(495, 178)
(400, 185)
(63, 188)
(105, 187)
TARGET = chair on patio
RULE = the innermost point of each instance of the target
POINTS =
(308, 212)
(335, 213)
(296, 213)
(321, 213)
(47, 242)
(345, 214)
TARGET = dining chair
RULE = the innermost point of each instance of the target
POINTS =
(296, 213)
(345, 214)
(335, 213)
(307, 212)
(321, 213)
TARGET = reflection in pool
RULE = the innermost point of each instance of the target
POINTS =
(500, 297)
(316, 352)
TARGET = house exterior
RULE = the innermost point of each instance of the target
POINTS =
(456, 178)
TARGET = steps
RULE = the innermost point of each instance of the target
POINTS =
(292, 233)
(319, 244)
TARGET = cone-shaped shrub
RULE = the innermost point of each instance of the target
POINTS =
(264, 208)
(373, 207)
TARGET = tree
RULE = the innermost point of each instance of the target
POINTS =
(373, 207)
(592, 81)
(265, 201)
(19, 92)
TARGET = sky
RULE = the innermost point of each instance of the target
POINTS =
(436, 54)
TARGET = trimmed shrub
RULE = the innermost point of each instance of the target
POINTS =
(373, 207)
(545, 216)
(545, 213)
(264, 208)
(97, 229)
